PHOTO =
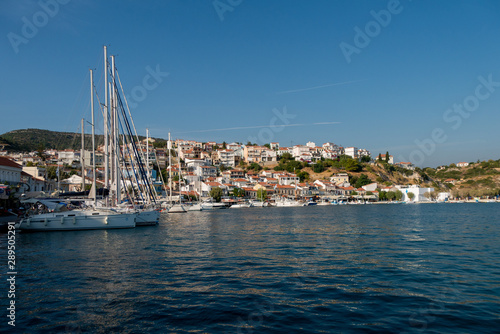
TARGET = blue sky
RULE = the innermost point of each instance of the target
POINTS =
(267, 71)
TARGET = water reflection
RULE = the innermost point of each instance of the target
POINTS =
(333, 266)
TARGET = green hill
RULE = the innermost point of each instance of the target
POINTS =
(29, 140)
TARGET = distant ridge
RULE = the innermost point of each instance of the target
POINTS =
(29, 140)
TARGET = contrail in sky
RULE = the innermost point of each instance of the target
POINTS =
(318, 87)
(258, 127)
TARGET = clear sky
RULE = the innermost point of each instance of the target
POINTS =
(420, 79)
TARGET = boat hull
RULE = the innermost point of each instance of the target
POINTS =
(147, 218)
(177, 208)
(74, 220)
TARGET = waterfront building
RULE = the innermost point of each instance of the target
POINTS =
(10, 172)
(340, 178)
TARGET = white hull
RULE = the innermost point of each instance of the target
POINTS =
(195, 207)
(239, 206)
(77, 220)
(177, 208)
(288, 204)
(258, 204)
(212, 206)
(147, 217)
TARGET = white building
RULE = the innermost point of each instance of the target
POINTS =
(206, 171)
(37, 172)
(9, 171)
(352, 152)
(340, 178)
(283, 150)
(268, 155)
(311, 144)
(417, 191)
(299, 151)
(226, 158)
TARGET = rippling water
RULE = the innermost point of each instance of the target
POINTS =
(331, 269)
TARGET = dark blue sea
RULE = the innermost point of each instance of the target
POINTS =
(325, 269)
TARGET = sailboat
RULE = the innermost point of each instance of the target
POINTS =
(53, 216)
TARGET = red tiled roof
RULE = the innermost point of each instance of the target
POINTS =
(9, 163)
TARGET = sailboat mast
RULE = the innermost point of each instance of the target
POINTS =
(93, 137)
(180, 175)
(147, 161)
(147, 153)
(116, 138)
(106, 113)
(169, 146)
(82, 157)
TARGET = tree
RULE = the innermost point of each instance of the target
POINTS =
(261, 194)
(411, 196)
(382, 195)
(318, 167)
(255, 166)
(398, 195)
(293, 165)
(362, 180)
(379, 157)
(41, 152)
(238, 192)
(390, 195)
(216, 193)
(52, 172)
(387, 156)
(268, 145)
(286, 156)
(279, 168)
(365, 158)
(302, 175)
(224, 145)
(353, 166)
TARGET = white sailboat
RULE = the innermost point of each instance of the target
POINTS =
(50, 216)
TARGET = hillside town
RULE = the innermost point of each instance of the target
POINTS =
(240, 171)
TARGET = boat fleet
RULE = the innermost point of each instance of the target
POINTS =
(111, 211)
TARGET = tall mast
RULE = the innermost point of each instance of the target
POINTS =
(116, 138)
(111, 150)
(147, 161)
(106, 134)
(82, 157)
(147, 152)
(93, 194)
(169, 146)
(180, 175)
